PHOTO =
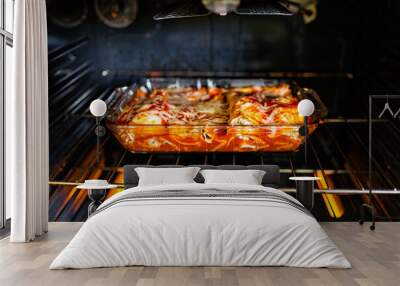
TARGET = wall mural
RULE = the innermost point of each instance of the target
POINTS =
(219, 90)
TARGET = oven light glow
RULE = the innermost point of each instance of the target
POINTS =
(221, 7)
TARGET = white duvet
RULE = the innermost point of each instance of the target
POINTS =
(200, 231)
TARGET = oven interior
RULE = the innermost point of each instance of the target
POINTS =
(349, 51)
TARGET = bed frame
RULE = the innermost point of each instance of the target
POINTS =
(271, 177)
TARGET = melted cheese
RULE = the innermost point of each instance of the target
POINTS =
(214, 106)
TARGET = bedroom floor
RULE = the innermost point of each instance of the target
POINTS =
(375, 257)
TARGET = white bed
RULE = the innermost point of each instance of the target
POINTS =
(206, 230)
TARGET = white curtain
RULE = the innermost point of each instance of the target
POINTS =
(27, 124)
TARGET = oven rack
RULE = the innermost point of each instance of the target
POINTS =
(347, 183)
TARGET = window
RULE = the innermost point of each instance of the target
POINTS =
(6, 62)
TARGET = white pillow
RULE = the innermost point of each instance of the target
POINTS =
(163, 176)
(248, 177)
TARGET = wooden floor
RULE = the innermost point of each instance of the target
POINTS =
(375, 257)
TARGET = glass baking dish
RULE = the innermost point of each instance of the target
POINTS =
(211, 115)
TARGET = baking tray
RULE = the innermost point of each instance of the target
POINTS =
(208, 136)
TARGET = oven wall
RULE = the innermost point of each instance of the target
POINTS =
(348, 37)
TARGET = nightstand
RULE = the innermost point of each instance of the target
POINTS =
(97, 190)
(305, 190)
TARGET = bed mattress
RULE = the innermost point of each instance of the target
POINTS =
(210, 119)
(201, 225)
